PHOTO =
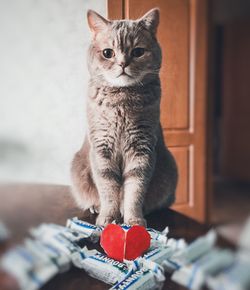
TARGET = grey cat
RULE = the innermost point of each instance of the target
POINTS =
(124, 168)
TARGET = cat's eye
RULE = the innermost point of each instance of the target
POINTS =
(137, 52)
(108, 53)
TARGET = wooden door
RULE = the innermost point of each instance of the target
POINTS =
(183, 37)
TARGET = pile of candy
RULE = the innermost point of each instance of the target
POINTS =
(54, 249)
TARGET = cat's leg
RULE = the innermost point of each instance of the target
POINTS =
(107, 178)
(83, 188)
(137, 175)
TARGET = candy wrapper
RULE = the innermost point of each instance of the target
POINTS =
(176, 244)
(53, 229)
(26, 265)
(158, 238)
(63, 239)
(39, 260)
(46, 253)
(48, 228)
(18, 262)
(236, 277)
(159, 254)
(148, 276)
(101, 267)
(91, 232)
(190, 253)
(193, 276)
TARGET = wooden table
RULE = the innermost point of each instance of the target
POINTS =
(27, 205)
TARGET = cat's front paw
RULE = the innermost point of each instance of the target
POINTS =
(94, 209)
(136, 221)
(103, 220)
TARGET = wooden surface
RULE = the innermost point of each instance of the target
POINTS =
(26, 206)
(182, 35)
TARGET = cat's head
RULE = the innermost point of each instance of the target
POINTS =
(124, 52)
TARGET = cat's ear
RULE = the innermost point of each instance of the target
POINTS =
(96, 22)
(151, 19)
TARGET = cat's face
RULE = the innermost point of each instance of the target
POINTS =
(124, 52)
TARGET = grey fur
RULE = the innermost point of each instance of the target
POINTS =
(124, 168)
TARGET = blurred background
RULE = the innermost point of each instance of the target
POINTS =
(230, 90)
(43, 86)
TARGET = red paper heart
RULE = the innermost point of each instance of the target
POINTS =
(112, 241)
(120, 244)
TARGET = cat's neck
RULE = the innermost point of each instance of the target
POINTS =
(137, 96)
(142, 86)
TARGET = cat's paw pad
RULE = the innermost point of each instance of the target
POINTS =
(102, 220)
(136, 221)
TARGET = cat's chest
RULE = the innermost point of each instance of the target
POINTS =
(115, 120)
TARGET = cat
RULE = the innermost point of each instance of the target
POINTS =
(124, 170)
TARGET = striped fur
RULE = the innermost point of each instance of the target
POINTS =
(124, 168)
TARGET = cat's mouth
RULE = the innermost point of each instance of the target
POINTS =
(124, 74)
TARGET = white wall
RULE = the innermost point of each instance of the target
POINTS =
(43, 84)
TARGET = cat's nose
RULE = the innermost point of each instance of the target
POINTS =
(123, 64)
